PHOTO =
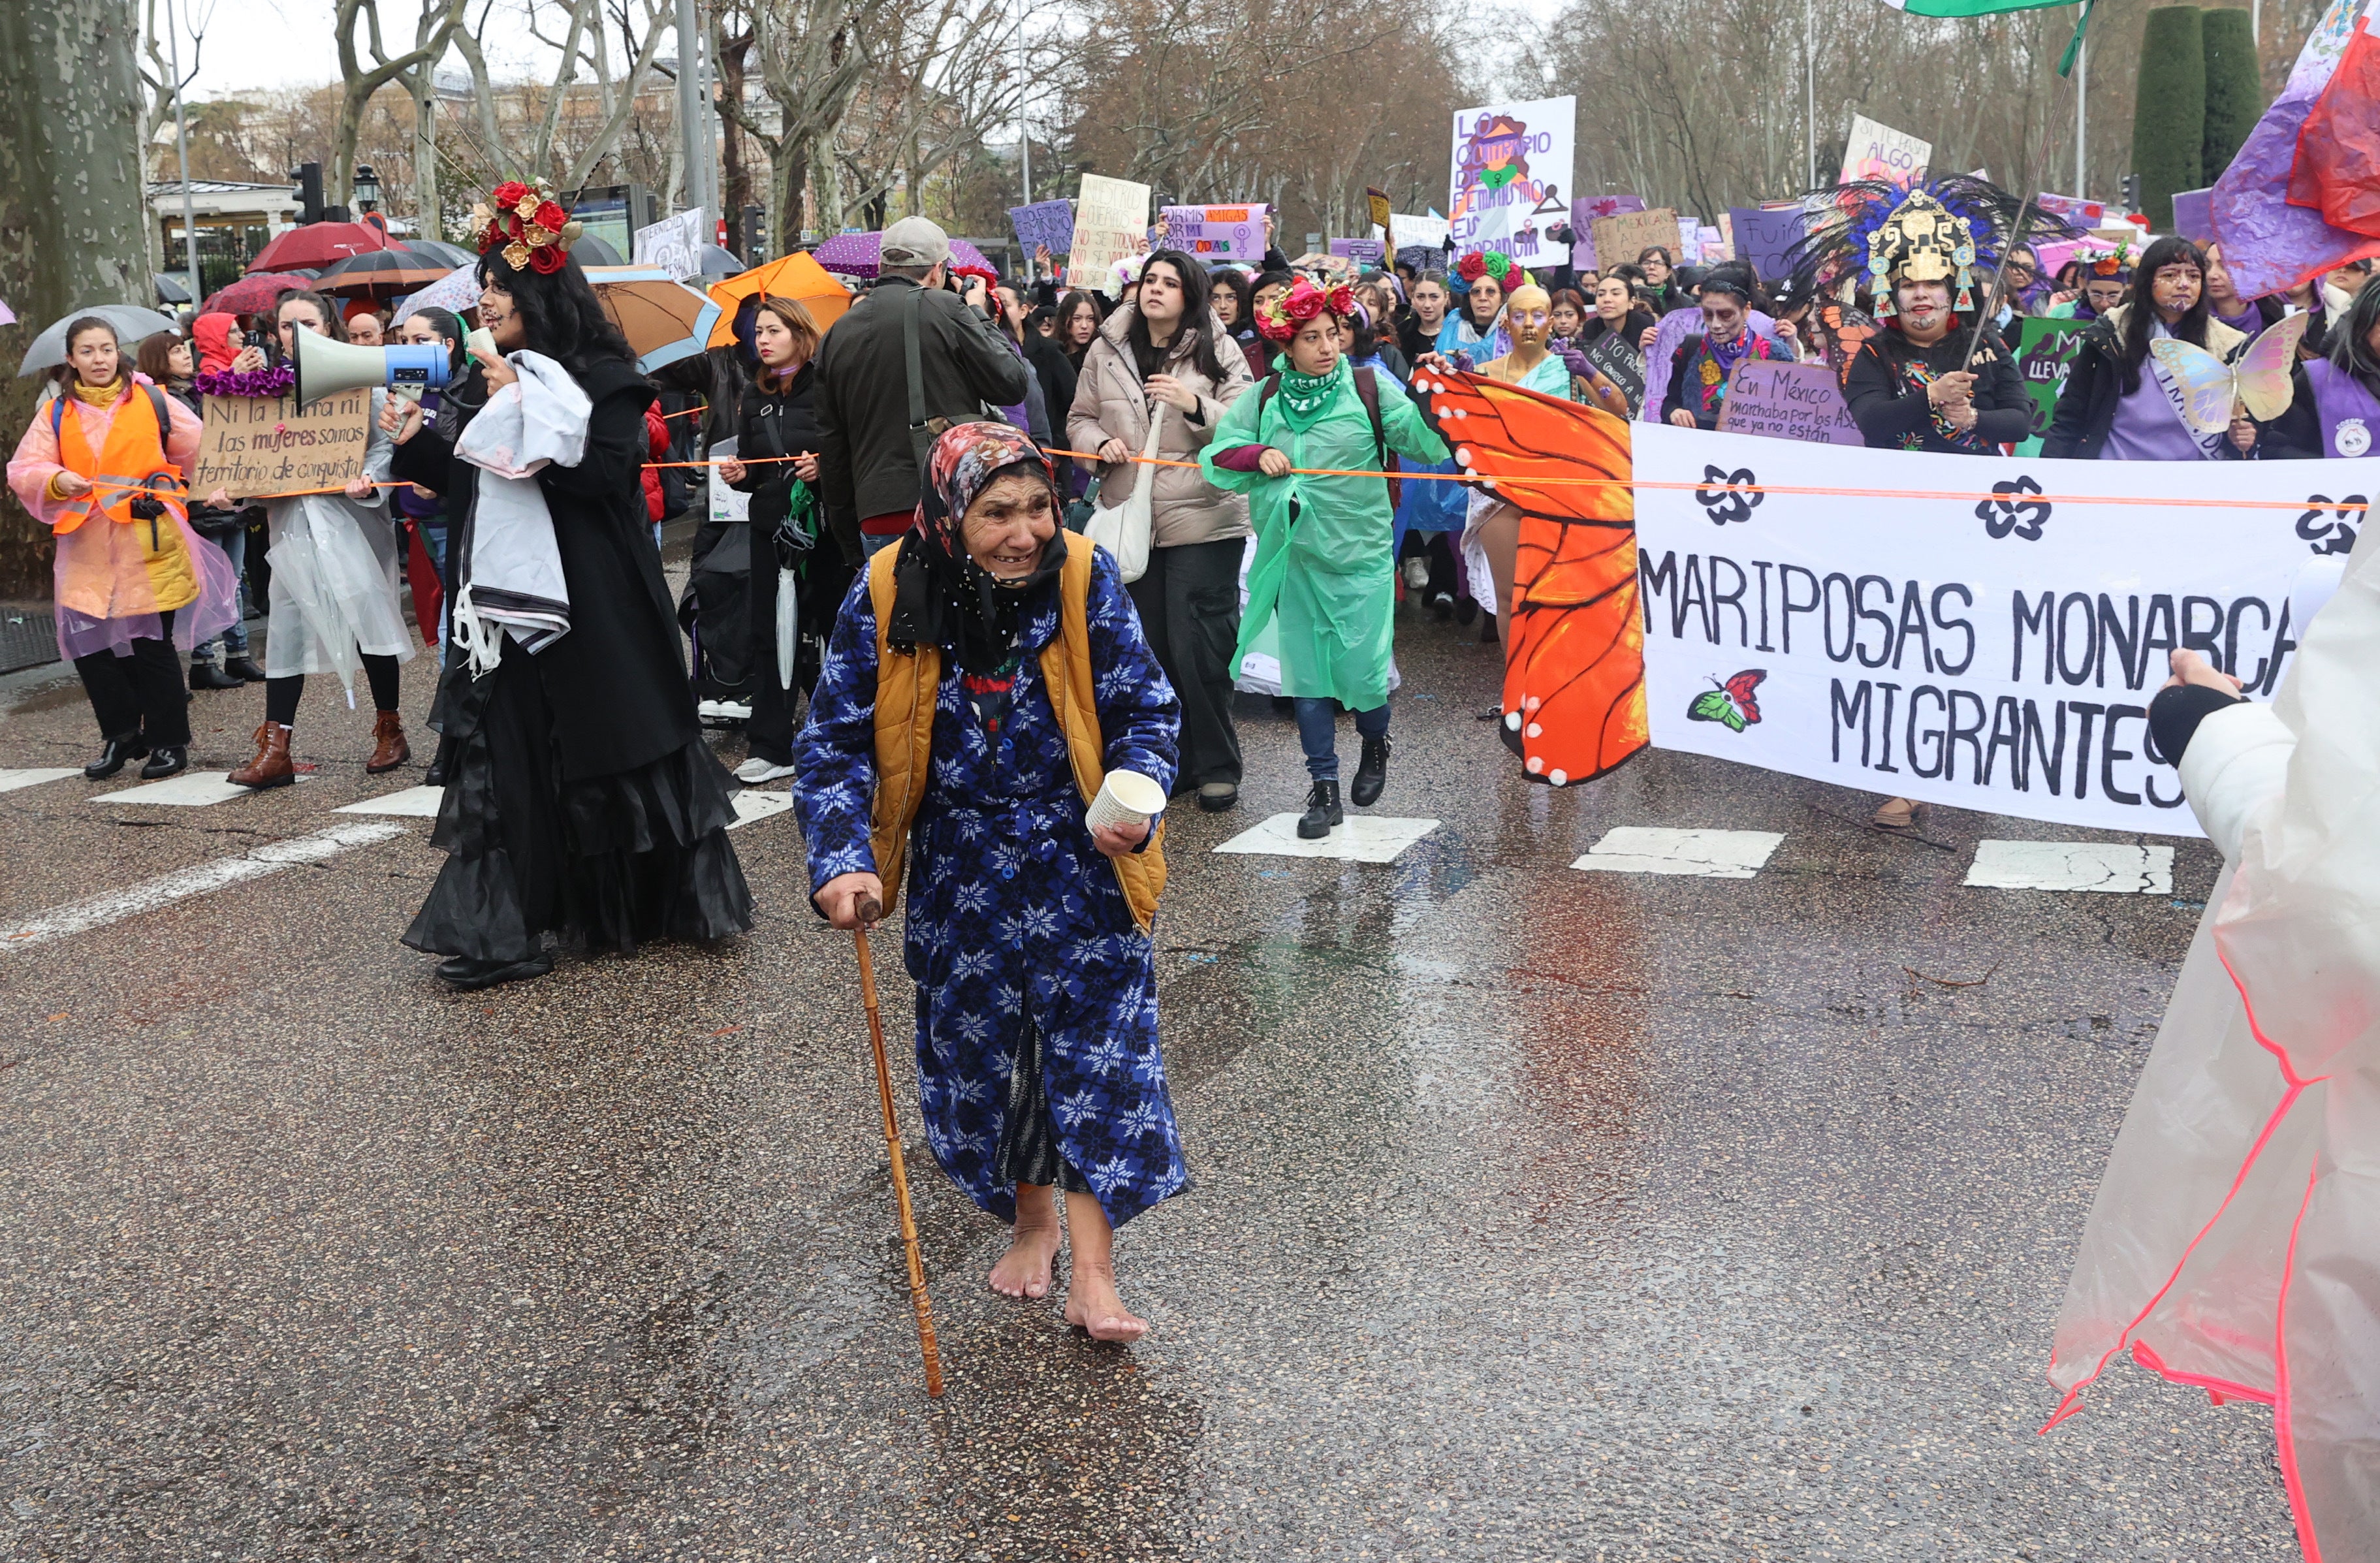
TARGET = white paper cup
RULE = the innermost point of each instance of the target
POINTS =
(481, 344)
(1126, 798)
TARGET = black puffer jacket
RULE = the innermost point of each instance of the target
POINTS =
(784, 424)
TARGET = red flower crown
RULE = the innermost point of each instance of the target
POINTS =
(529, 223)
(1279, 317)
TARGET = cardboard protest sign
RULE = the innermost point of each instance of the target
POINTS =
(2044, 353)
(1583, 214)
(1781, 401)
(1621, 362)
(1049, 223)
(1619, 239)
(1361, 252)
(256, 445)
(1878, 151)
(1216, 233)
(1376, 204)
(1765, 235)
(1110, 223)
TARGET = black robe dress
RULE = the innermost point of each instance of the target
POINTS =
(582, 799)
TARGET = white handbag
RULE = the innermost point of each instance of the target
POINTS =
(1123, 531)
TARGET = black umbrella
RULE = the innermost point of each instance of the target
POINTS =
(718, 262)
(171, 289)
(592, 251)
(451, 255)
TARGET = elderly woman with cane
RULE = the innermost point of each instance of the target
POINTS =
(992, 722)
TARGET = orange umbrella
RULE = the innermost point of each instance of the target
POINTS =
(795, 276)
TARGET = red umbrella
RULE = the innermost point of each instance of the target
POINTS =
(251, 295)
(317, 245)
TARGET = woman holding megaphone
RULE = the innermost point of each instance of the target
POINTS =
(581, 799)
(332, 605)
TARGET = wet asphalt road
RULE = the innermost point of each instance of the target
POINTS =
(1540, 1215)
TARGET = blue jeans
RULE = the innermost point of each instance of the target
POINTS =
(234, 640)
(1317, 732)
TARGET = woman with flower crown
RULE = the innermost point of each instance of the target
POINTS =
(1325, 544)
(581, 799)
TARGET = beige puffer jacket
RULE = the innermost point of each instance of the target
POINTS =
(1110, 404)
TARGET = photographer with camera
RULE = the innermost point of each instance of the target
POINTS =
(102, 467)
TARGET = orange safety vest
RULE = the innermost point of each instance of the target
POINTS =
(905, 691)
(131, 462)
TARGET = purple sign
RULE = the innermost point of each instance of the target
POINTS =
(1216, 233)
(1048, 222)
(1765, 236)
(1583, 213)
(1782, 401)
(1673, 329)
(2193, 214)
(1363, 253)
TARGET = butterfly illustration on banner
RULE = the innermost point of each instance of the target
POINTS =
(1574, 705)
(1731, 702)
(2259, 377)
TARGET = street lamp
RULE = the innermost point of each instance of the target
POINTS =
(367, 187)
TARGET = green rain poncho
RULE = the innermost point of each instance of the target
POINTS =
(1323, 560)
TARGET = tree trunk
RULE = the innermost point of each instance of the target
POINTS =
(735, 181)
(73, 211)
(789, 173)
(430, 211)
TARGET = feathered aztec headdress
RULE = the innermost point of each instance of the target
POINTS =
(1279, 317)
(529, 223)
(1938, 230)
(1488, 263)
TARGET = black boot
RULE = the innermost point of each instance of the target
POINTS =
(1371, 773)
(113, 753)
(206, 675)
(244, 668)
(1322, 811)
(166, 759)
(467, 974)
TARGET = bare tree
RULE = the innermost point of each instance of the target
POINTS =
(584, 40)
(433, 29)
(810, 63)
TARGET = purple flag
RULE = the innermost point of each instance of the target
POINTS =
(2268, 244)
(1583, 213)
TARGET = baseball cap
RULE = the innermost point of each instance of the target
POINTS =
(915, 241)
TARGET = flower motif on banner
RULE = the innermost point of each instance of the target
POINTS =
(1722, 498)
(2007, 516)
(2329, 529)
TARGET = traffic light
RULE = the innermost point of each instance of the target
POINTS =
(755, 235)
(308, 191)
(2131, 192)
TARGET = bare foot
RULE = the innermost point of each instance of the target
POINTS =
(1093, 1307)
(1023, 1270)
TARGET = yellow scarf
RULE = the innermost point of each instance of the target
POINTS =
(100, 396)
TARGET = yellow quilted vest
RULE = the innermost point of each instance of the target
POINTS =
(905, 688)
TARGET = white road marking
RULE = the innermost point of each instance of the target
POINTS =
(751, 804)
(12, 780)
(1365, 838)
(1707, 855)
(413, 803)
(2117, 866)
(100, 911)
(193, 789)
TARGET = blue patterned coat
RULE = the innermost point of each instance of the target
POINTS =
(1013, 915)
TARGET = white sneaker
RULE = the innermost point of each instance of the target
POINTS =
(757, 771)
(1416, 573)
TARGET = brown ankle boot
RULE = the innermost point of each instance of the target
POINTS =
(389, 747)
(270, 768)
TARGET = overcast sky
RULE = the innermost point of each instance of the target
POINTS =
(255, 44)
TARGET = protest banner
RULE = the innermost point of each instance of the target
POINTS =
(1690, 243)
(2073, 209)
(1621, 362)
(1765, 235)
(252, 446)
(1045, 223)
(1878, 151)
(1216, 233)
(1619, 239)
(1110, 223)
(2045, 352)
(1784, 401)
(2193, 214)
(1994, 650)
(1510, 159)
(1583, 213)
(1429, 233)
(1361, 253)
(673, 244)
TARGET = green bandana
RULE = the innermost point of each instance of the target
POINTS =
(1302, 396)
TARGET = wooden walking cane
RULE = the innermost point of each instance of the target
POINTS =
(870, 910)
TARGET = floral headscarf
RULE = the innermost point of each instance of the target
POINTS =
(942, 597)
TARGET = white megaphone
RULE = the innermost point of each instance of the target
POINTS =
(324, 367)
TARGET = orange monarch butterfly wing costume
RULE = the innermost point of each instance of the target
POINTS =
(1575, 640)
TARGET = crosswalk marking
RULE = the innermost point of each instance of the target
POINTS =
(2121, 867)
(34, 776)
(1365, 838)
(1707, 855)
(412, 802)
(193, 789)
(99, 911)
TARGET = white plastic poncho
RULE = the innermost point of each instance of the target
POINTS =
(2235, 1242)
(335, 592)
(510, 581)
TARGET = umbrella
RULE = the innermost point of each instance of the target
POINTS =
(860, 255)
(718, 262)
(458, 290)
(796, 276)
(592, 251)
(131, 323)
(380, 274)
(663, 319)
(318, 245)
(251, 295)
(447, 255)
(171, 289)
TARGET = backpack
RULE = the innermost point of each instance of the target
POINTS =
(1367, 390)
